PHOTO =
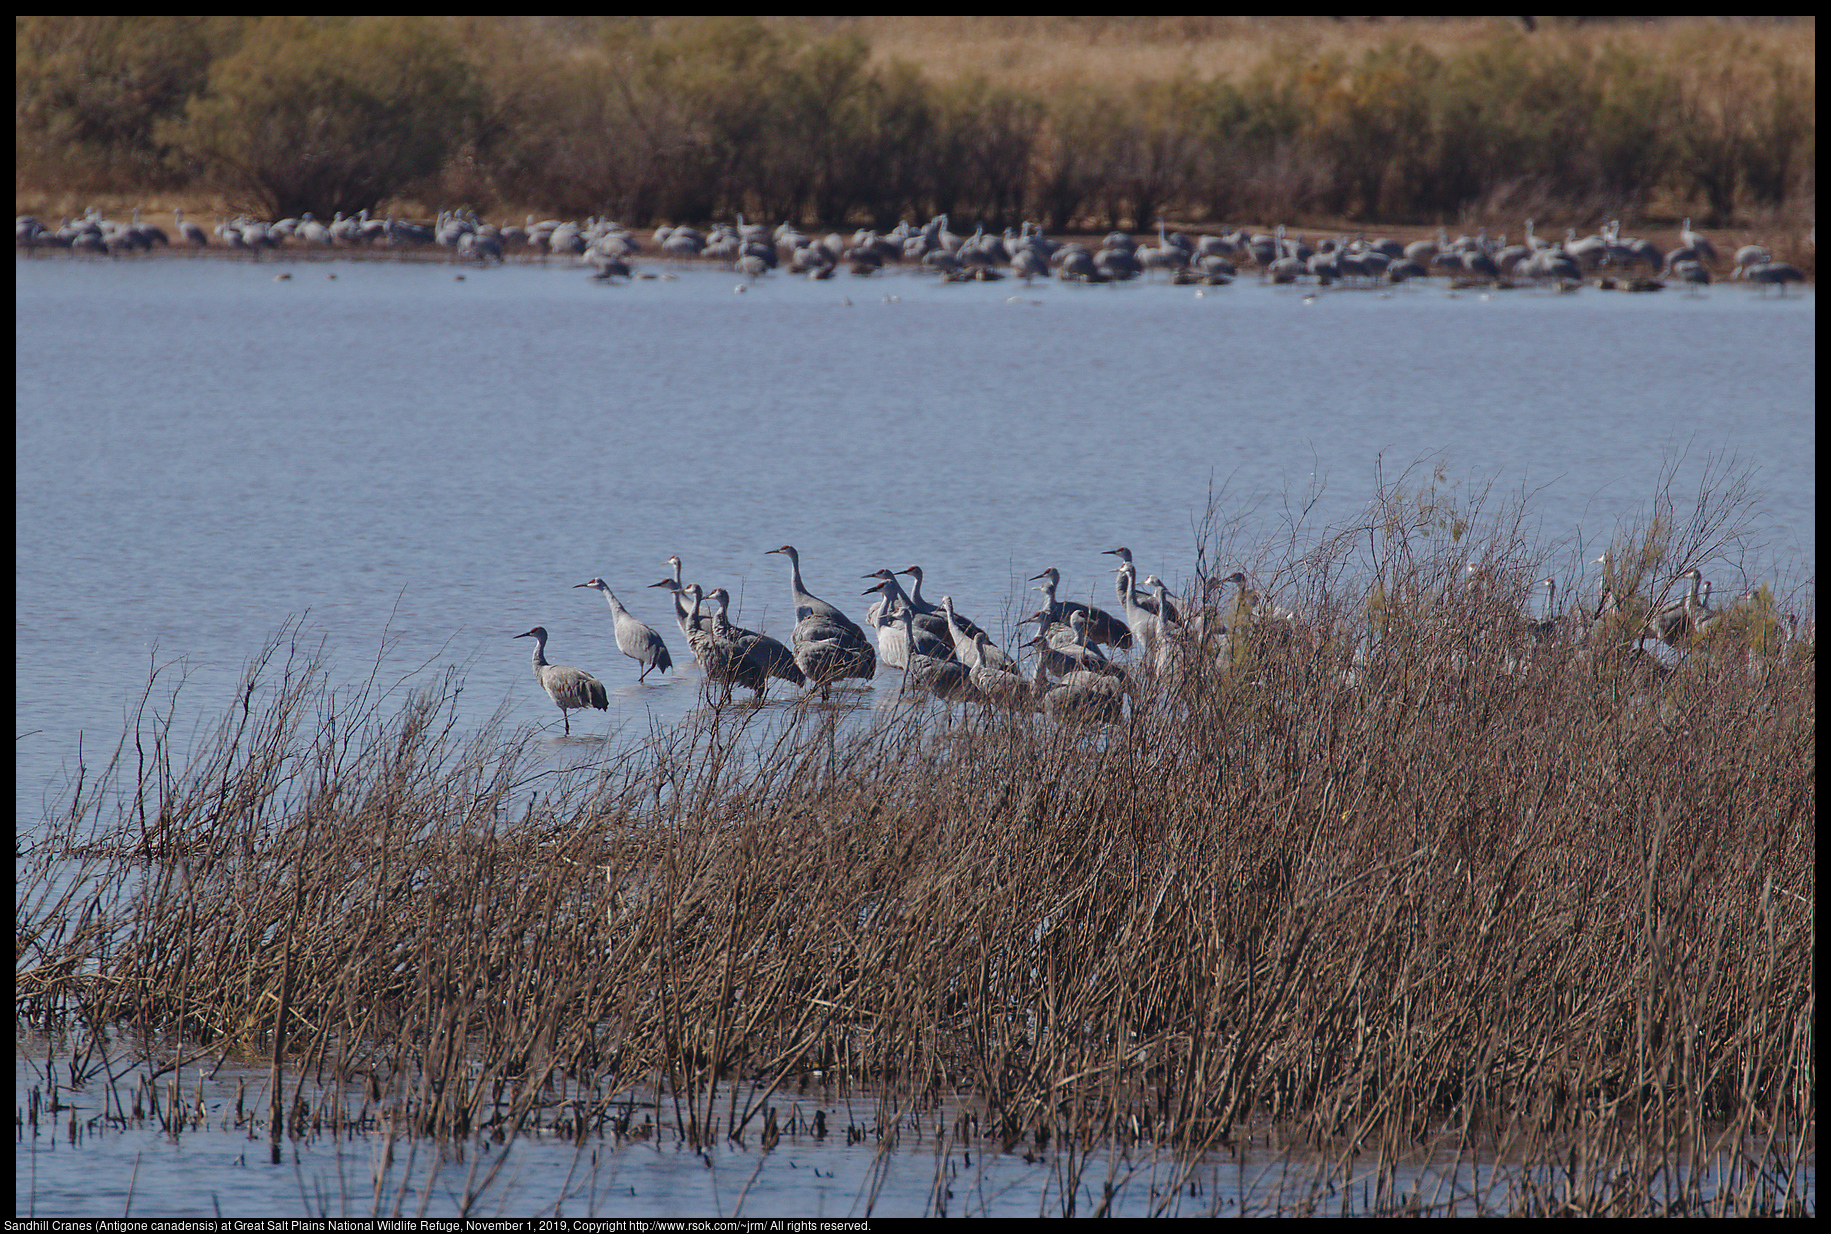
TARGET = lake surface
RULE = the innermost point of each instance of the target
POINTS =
(423, 467)
(93, 1158)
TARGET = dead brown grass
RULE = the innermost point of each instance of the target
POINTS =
(1383, 869)
(1042, 53)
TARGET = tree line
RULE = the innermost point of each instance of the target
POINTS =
(656, 121)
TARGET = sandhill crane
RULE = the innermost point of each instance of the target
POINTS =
(1169, 651)
(1425, 251)
(1080, 696)
(634, 639)
(720, 652)
(1064, 649)
(776, 659)
(922, 606)
(946, 679)
(931, 624)
(1674, 624)
(968, 638)
(1000, 687)
(809, 605)
(1773, 273)
(311, 231)
(1750, 255)
(894, 645)
(681, 608)
(1144, 624)
(828, 645)
(1607, 602)
(190, 233)
(1545, 628)
(1693, 273)
(1147, 602)
(827, 652)
(1706, 251)
(569, 688)
(1102, 626)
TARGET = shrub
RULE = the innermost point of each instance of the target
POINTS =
(329, 114)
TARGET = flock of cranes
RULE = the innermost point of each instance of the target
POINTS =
(754, 250)
(1078, 673)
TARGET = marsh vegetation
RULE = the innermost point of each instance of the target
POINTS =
(1385, 863)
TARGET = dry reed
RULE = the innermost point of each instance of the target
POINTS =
(1386, 870)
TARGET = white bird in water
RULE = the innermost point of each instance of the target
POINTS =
(569, 688)
(635, 640)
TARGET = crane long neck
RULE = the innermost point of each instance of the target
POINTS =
(907, 618)
(540, 653)
(794, 577)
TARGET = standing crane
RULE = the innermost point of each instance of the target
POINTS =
(569, 688)
(828, 644)
(1147, 602)
(922, 606)
(634, 639)
(720, 652)
(949, 680)
(1102, 626)
(190, 233)
(933, 624)
(681, 607)
(777, 660)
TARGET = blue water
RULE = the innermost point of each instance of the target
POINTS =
(419, 468)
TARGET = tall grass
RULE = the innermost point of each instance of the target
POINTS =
(1385, 871)
(1087, 122)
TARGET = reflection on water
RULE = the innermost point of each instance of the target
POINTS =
(197, 1145)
